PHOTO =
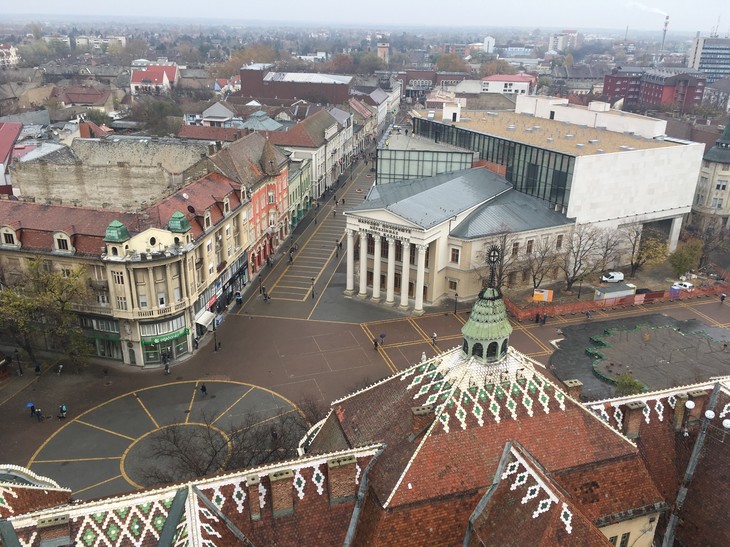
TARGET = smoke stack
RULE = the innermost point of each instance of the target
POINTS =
(664, 36)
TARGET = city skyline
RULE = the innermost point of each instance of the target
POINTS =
(567, 14)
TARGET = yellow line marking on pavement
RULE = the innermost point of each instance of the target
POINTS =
(539, 342)
(460, 319)
(232, 405)
(190, 406)
(157, 426)
(713, 322)
(105, 430)
(80, 459)
(383, 355)
(418, 329)
(97, 484)
(272, 418)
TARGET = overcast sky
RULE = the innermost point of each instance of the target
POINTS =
(684, 15)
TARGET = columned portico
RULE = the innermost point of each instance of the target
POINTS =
(363, 265)
(376, 266)
(350, 288)
(391, 271)
(420, 276)
(405, 273)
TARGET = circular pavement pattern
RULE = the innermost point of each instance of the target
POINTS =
(102, 451)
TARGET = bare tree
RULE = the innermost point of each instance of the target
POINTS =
(578, 260)
(540, 259)
(507, 260)
(608, 248)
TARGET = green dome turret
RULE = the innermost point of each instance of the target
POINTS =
(116, 232)
(178, 223)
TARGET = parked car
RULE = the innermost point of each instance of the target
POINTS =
(612, 277)
(683, 285)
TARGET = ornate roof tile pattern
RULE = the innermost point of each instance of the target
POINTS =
(525, 506)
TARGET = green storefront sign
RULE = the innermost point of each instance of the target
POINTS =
(165, 337)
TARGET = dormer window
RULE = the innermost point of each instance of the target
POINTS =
(8, 238)
(207, 221)
(62, 243)
(226, 205)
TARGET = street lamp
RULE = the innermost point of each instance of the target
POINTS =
(456, 301)
(312, 288)
(261, 290)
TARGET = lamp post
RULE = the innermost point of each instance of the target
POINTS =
(456, 301)
(260, 288)
(312, 288)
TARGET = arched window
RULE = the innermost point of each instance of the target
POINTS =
(115, 251)
(477, 350)
(492, 350)
(465, 349)
(505, 345)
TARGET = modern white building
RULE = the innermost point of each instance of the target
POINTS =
(595, 176)
(509, 84)
(488, 44)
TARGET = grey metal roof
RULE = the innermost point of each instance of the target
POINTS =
(512, 211)
(430, 201)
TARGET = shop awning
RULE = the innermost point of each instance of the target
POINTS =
(205, 319)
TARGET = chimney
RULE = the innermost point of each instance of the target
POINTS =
(218, 145)
(574, 387)
(211, 148)
(54, 530)
(632, 421)
(699, 398)
(282, 492)
(341, 479)
(252, 490)
(679, 412)
(423, 417)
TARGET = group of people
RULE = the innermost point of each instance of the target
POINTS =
(36, 412)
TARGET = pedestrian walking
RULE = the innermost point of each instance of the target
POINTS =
(60, 369)
(203, 390)
(537, 318)
(37, 368)
(335, 198)
(196, 342)
(340, 245)
(588, 314)
(375, 344)
(62, 411)
(167, 369)
(315, 220)
(334, 212)
(722, 298)
(433, 339)
(343, 201)
(32, 410)
(544, 318)
(39, 414)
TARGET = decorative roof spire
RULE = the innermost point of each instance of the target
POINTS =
(486, 333)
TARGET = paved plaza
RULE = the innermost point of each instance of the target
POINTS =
(308, 341)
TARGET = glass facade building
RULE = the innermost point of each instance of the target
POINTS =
(535, 171)
(395, 165)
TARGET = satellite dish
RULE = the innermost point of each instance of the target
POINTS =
(191, 209)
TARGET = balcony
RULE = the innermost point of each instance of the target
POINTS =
(92, 308)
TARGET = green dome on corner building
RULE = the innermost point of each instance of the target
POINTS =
(486, 333)
(116, 232)
(178, 223)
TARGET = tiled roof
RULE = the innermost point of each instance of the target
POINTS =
(524, 506)
(9, 132)
(154, 74)
(241, 160)
(22, 491)
(82, 95)
(477, 411)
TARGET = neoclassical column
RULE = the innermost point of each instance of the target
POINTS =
(350, 288)
(390, 290)
(376, 266)
(405, 273)
(363, 264)
(420, 276)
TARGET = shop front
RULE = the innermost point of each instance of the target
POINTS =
(164, 339)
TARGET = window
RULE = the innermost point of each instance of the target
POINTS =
(207, 220)
(625, 539)
(717, 203)
(226, 206)
(271, 197)
(453, 285)
(8, 238)
(721, 185)
(612, 540)
(161, 298)
(65, 272)
(559, 242)
(515, 249)
(118, 278)
(142, 300)
(455, 255)
(209, 246)
(529, 246)
(228, 231)
(62, 244)
(122, 302)
(102, 298)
